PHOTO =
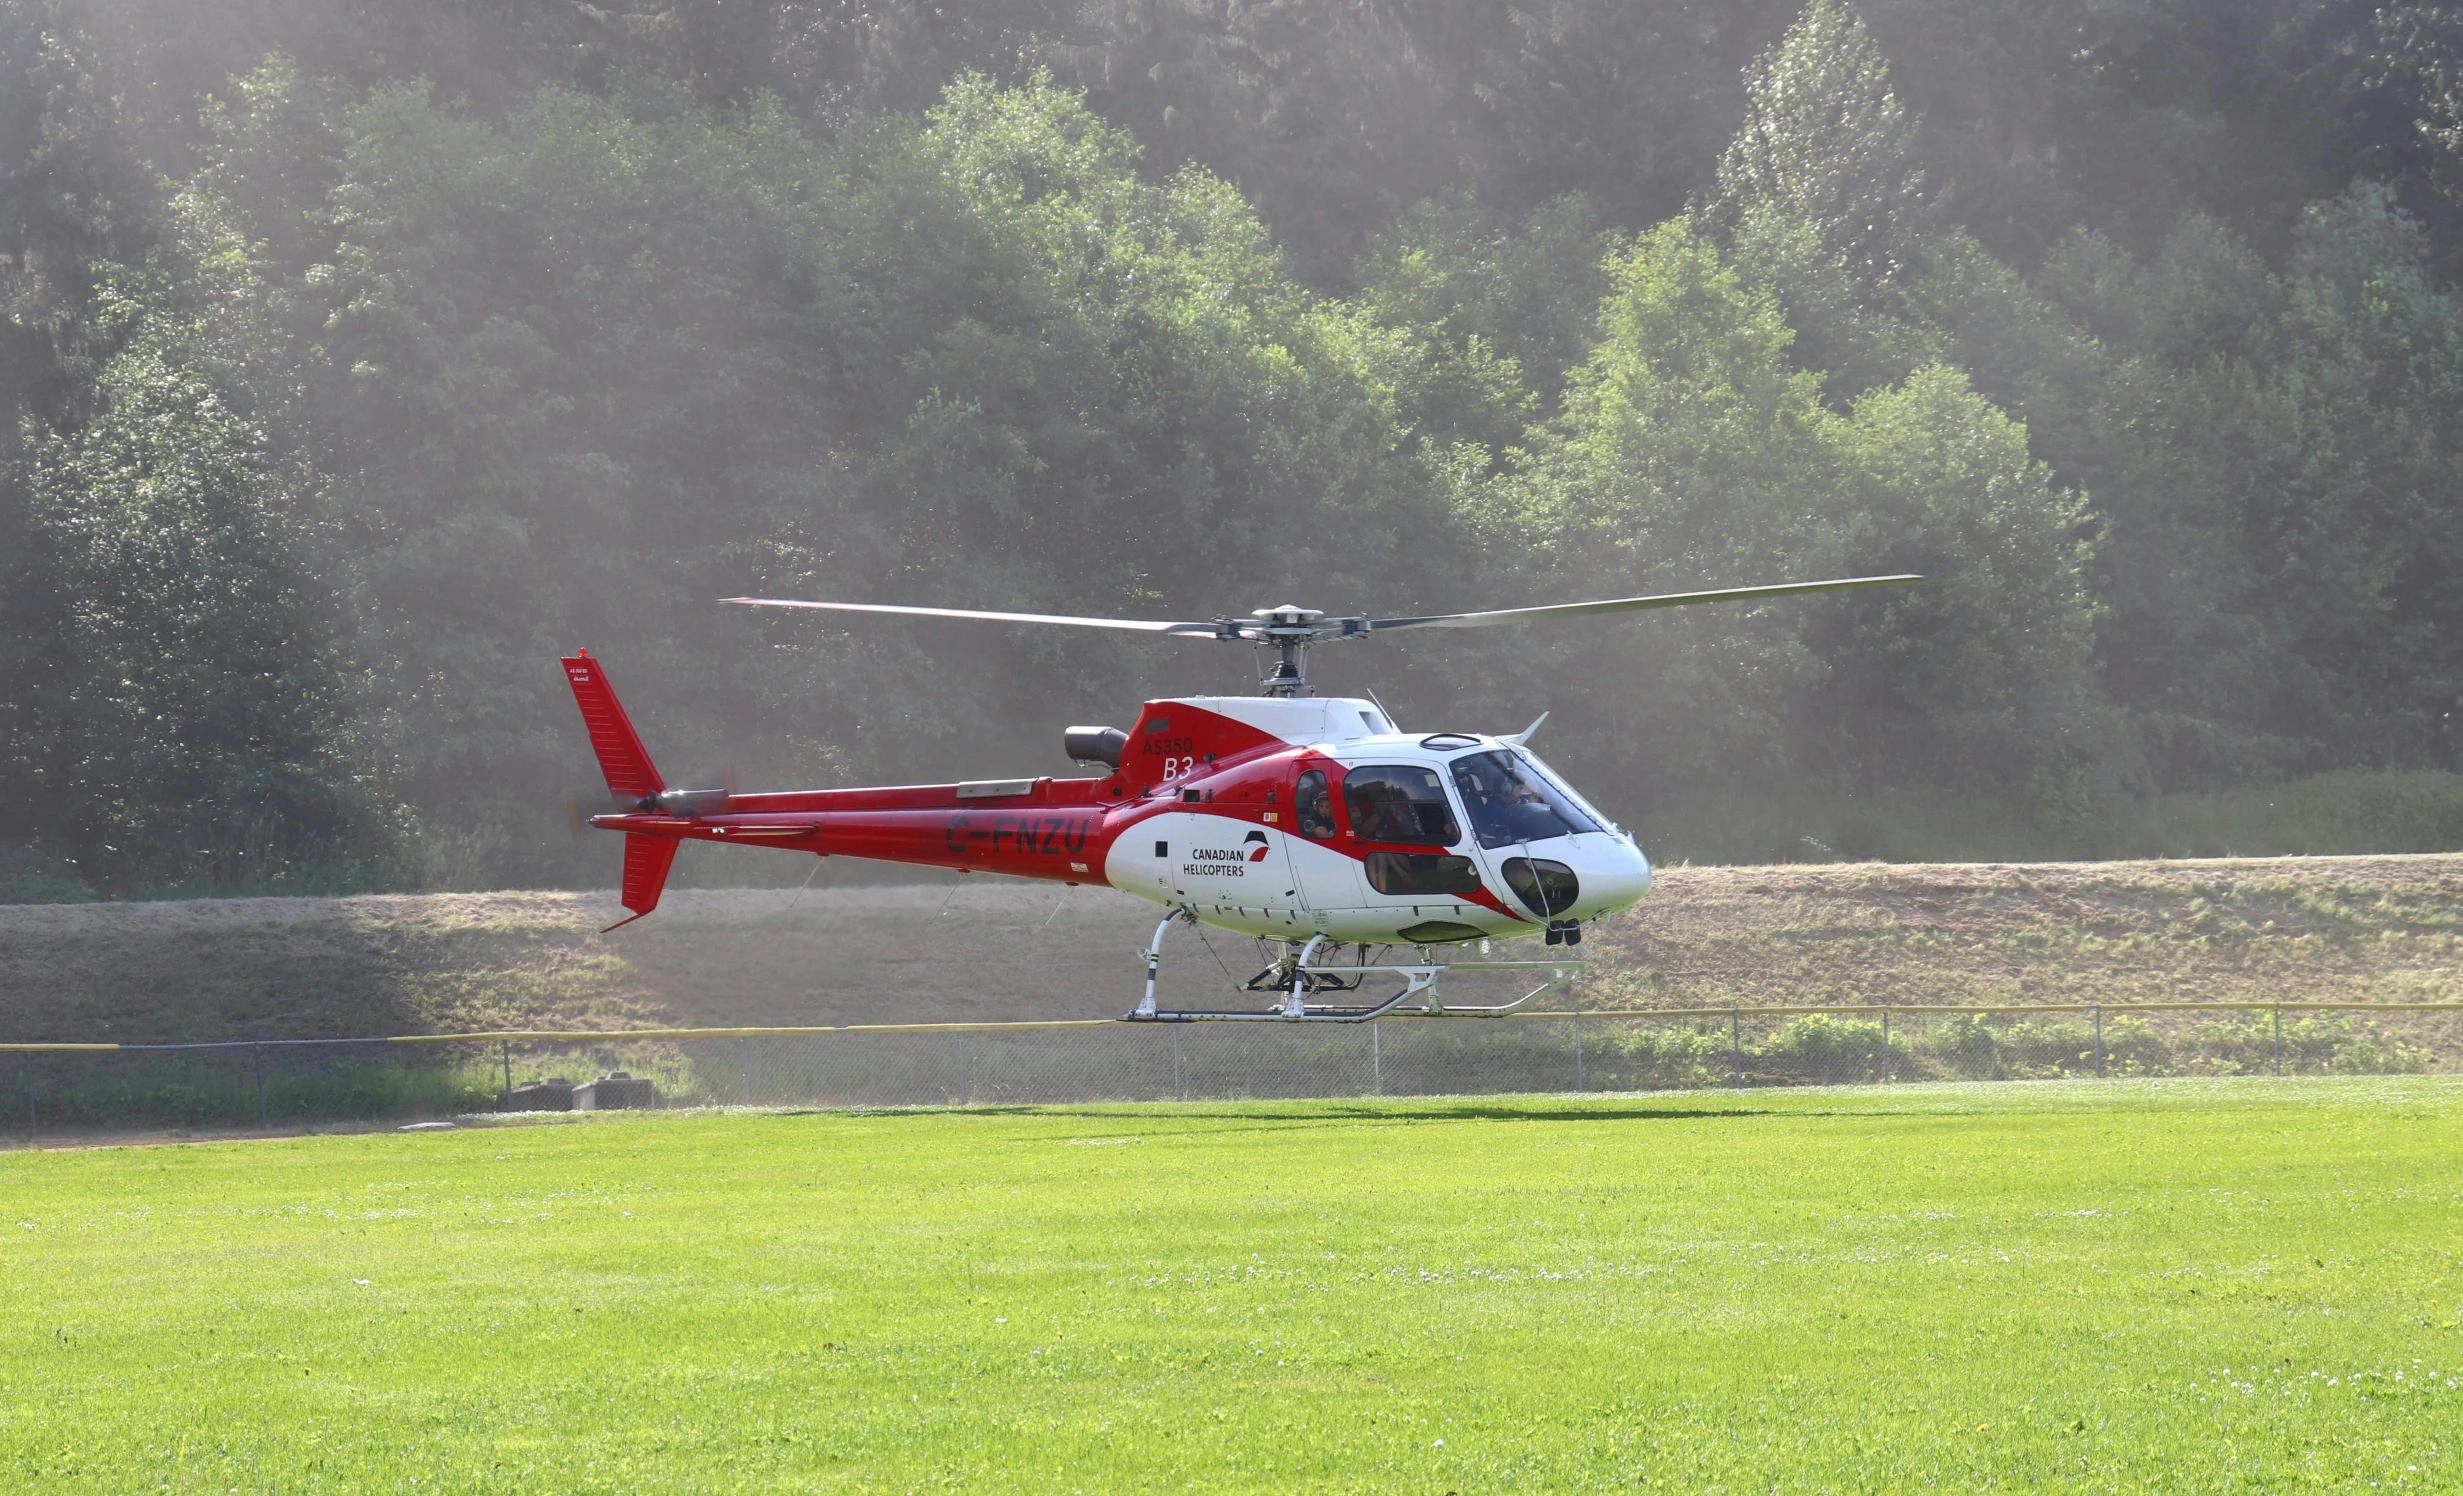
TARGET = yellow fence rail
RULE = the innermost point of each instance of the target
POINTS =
(302, 1082)
(596, 1036)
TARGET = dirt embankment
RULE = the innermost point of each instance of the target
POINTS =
(2322, 929)
(2315, 929)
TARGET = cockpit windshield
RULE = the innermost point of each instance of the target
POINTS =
(1511, 802)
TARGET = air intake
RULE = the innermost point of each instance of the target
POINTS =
(1095, 745)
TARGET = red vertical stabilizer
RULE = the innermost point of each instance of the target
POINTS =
(630, 774)
(630, 777)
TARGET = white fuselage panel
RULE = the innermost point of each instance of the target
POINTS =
(1270, 881)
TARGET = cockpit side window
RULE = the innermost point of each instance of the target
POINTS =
(1313, 805)
(1510, 803)
(1399, 803)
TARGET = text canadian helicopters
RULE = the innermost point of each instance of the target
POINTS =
(1310, 822)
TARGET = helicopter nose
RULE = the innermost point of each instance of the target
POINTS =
(1615, 875)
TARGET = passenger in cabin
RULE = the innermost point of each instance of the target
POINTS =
(1399, 803)
(1314, 805)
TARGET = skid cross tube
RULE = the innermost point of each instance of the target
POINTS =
(1295, 1009)
(1417, 979)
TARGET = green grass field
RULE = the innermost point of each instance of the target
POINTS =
(2176, 1286)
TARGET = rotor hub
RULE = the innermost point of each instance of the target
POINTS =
(1289, 618)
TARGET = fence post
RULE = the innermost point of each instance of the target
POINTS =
(1887, 1069)
(508, 1049)
(966, 1091)
(2279, 1041)
(1736, 1045)
(257, 1052)
(1180, 1073)
(1376, 1058)
(34, 1123)
(744, 1061)
(2099, 1041)
(1577, 1054)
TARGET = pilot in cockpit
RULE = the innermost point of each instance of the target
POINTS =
(1504, 806)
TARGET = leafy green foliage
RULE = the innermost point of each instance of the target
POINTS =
(451, 336)
(170, 687)
(2418, 54)
(1496, 314)
(1690, 451)
(208, 700)
(2273, 465)
(1824, 201)
(578, 374)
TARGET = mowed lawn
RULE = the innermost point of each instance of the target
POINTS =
(2180, 1286)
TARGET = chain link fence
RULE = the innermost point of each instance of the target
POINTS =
(69, 1091)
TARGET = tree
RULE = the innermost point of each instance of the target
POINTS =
(72, 204)
(1822, 197)
(2272, 460)
(1496, 314)
(578, 374)
(1691, 454)
(199, 740)
(1982, 677)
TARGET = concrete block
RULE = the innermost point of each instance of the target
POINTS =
(615, 1091)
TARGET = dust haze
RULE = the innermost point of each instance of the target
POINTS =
(360, 358)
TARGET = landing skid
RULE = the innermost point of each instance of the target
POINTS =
(1299, 982)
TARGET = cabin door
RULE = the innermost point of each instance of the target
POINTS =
(1327, 875)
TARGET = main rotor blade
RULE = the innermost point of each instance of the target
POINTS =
(1630, 604)
(1141, 625)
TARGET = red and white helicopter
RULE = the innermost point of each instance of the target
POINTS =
(1312, 822)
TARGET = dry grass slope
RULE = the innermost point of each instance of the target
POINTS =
(2321, 929)
(2327, 929)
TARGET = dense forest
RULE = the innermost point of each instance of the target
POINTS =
(359, 356)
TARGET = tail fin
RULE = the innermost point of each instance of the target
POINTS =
(630, 774)
(646, 860)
